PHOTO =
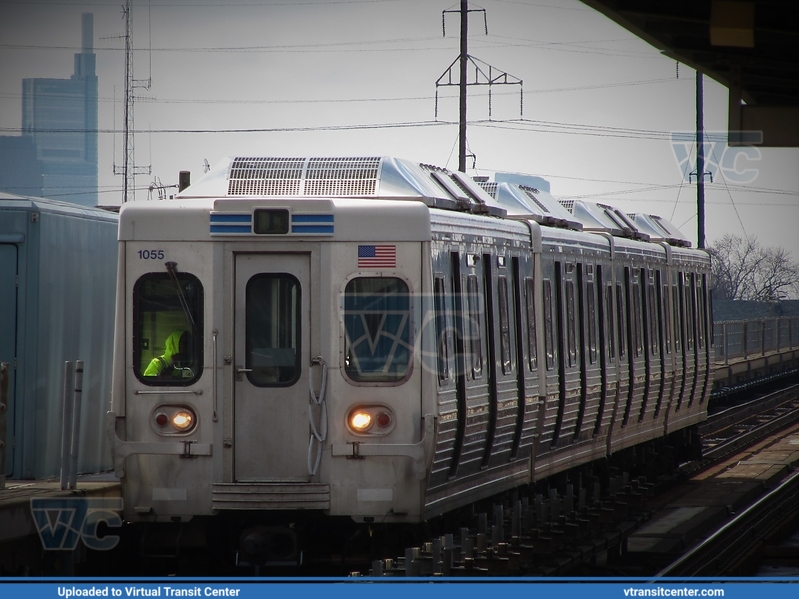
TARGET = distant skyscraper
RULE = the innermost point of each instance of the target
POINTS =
(61, 117)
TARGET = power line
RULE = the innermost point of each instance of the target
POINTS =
(575, 129)
(536, 5)
(277, 48)
(204, 5)
(656, 187)
(247, 130)
(154, 100)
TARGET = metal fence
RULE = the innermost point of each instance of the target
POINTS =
(735, 339)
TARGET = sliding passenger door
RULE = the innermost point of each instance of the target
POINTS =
(550, 408)
(475, 408)
(449, 364)
(570, 348)
(503, 328)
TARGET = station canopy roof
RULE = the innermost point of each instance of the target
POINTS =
(750, 46)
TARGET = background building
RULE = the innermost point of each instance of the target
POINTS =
(60, 116)
(20, 169)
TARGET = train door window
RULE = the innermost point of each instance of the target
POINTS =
(571, 325)
(620, 319)
(688, 299)
(664, 302)
(529, 293)
(377, 325)
(549, 345)
(675, 313)
(636, 324)
(475, 326)
(654, 341)
(700, 314)
(442, 330)
(272, 330)
(610, 325)
(167, 328)
(504, 326)
(591, 311)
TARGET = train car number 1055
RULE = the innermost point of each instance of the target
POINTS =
(151, 254)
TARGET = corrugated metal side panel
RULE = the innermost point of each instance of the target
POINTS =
(71, 298)
(8, 315)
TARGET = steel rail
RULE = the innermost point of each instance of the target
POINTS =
(717, 453)
(720, 552)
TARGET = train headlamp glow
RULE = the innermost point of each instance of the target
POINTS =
(370, 420)
(182, 420)
(360, 420)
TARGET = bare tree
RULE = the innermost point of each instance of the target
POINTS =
(745, 270)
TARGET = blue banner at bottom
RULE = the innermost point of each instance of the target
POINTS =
(399, 588)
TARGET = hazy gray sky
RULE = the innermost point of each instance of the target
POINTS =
(357, 77)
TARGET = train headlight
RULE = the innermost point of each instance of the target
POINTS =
(182, 420)
(370, 420)
(360, 421)
(173, 420)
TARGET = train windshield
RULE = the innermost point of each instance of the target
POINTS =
(377, 323)
(167, 328)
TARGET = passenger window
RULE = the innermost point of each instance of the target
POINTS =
(272, 334)
(167, 328)
(504, 326)
(442, 333)
(377, 325)
(549, 347)
(529, 291)
(475, 326)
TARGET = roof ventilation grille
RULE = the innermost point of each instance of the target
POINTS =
(304, 176)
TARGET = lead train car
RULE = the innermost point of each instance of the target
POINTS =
(387, 341)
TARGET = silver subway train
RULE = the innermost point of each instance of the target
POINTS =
(387, 341)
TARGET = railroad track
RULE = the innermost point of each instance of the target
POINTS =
(576, 535)
(733, 548)
(737, 427)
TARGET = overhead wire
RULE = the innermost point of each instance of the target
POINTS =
(293, 101)
(724, 179)
(682, 180)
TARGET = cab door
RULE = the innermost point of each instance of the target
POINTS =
(271, 364)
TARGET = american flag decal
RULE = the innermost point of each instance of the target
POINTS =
(377, 256)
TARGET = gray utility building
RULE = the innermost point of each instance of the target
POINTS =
(58, 265)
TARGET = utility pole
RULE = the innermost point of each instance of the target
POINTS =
(700, 162)
(484, 74)
(462, 85)
(129, 169)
